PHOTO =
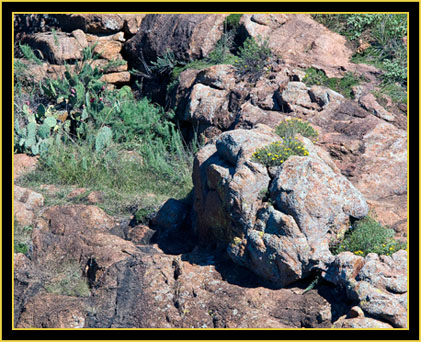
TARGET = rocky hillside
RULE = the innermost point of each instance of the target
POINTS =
(208, 171)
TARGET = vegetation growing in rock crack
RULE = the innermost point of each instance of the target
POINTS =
(341, 85)
(368, 236)
(291, 127)
(278, 152)
(22, 238)
(254, 59)
(378, 39)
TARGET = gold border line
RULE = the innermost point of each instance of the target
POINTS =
(215, 12)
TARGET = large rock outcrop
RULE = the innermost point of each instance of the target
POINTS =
(123, 285)
(101, 23)
(282, 242)
(379, 283)
(59, 48)
(188, 36)
(300, 41)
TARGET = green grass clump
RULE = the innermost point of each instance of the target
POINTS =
(124, 179)
(368, 236)
(22, 238)
(341, 85)
(233, 21)
(291, 127)
(66, 278)
(278, 152)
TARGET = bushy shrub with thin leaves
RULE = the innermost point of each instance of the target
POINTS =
(254, 59)
(278, 152)
(368, 236)
(166, 63)
(291, 127)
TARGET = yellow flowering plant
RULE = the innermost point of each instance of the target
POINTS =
(368, 236)
(278, 152)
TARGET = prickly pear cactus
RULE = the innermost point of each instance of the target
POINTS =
(103, 138)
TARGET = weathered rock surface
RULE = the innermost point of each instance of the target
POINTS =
(300, 41)
(23, 164)
(283, 243)
(378, 283)
(140, 287)
(227, 184)
(370, 152)
(188, 36)
(303, 183)
(56, 47)
(60, 47)
(369, 103)
(101, 23)
(26, 205)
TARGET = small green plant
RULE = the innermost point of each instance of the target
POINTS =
(66, 279)
(165, 64)
(232, 21)
(290, 128)
(368, 236)
(29, 54)
(315, 282)
(395, 72)
(221, 54)
(254, 59)
(395, 91)
(144, 215)
(20, 247)
(278, 152)
(80, 91)
(22, 238)
(341, 85)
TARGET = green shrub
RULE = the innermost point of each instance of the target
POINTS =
(80, 92)
(221, 54)
(368, 236)
(395, 91)
(166, 63)
(254, 59)
(144, 215)
(290, 128)
(20, 247)
(139, 122)
(22, 238)
(341, 85)
(278, 152)
(395, 72)
(122, 177)
(233, 21)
